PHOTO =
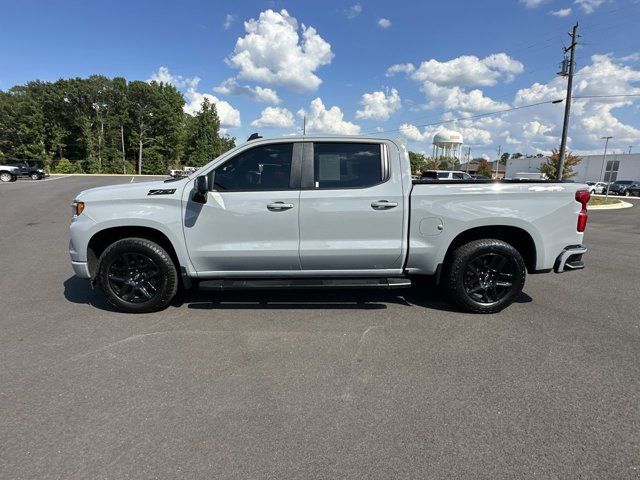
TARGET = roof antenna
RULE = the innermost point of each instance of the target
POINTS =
(253, 136)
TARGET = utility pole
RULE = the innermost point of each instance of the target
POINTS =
(498, 162)
(604, 159)
(567, 106)
(304, 125)
(630, 149)
(468, 157)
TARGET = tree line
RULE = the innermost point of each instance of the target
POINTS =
(107, 125)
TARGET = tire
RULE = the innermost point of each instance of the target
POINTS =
(137, 276)
(485, 276)
(592, 192)
(6, 177)
(35, 176)
(626, 193)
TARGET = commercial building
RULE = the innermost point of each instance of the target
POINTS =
(621, 166)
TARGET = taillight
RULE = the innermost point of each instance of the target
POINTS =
(583, 197)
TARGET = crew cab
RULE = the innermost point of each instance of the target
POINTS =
(323, 212)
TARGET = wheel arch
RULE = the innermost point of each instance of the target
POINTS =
(517, 237)
(103, 238)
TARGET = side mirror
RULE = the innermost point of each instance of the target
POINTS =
(201, 187)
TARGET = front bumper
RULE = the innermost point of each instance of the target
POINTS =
(570, 259)
(81, 269)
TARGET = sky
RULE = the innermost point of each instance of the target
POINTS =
(356, 67)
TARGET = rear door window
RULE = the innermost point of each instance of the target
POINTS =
(347, 165)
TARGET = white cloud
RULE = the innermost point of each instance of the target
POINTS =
(228, 20)
(563, 12)
(229, 116)
(379, 105)
(274, 117)
(532, 3)
(231, 87)
(537, 129)
(589, 6)
(400, 68)
(384, 23)
(276, 51)
(163, 75)
(353, 11)
(321, 120)
(468, 70)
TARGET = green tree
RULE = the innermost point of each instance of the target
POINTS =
(418, 162)
(551, 166)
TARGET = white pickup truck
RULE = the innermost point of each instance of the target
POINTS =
(323, 212)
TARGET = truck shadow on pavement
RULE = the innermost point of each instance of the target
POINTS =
(77, 290)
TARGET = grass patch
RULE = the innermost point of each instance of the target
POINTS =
(603, 201)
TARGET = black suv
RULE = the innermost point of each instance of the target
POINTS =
(622, 187)
(27, 171)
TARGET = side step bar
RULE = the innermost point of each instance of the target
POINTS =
(303, 283)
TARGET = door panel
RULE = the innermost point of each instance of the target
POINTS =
(250, 222)
(357, 227)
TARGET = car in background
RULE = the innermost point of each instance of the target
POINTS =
(445, 175)
(24, 170)
(480, 177)
(8, 173)
(621, 187)
(597, 187)
(634, 190)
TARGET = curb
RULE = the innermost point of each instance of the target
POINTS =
(615, 206)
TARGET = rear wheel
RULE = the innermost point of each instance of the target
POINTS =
(6, 177)
(486, 276)
(137, 275)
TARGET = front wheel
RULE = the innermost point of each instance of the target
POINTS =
(35, 176)
(137, 276)
(626, 193)
(486, 276)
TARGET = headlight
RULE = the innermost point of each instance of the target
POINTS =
(40, 170)
(77, 208)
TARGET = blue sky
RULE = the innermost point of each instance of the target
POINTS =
(334, 61)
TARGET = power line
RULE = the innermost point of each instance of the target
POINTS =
(506, 110)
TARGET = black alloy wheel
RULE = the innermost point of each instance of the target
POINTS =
(485, 276)
(134, 277)
(489, 278)
(137, 275)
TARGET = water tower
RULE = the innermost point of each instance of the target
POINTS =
(447, 144)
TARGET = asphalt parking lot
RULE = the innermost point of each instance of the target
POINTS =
(316, 384)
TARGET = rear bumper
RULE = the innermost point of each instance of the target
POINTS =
(570, 259)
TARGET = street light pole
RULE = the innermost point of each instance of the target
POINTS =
(604, 159)
(567, 106)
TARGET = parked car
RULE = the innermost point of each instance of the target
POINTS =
(24, 170)
(597, 187)
(308, 211)
(480, 177)
(8, 173)
(633, 189)
(621, 187)
(446, 175)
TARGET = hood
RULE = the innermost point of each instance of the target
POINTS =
(128, 191)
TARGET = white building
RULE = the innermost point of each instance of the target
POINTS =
(620, 166)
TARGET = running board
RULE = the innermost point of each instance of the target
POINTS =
(302, 283)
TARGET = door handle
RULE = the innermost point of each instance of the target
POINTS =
(279, 206)
(383, 205)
